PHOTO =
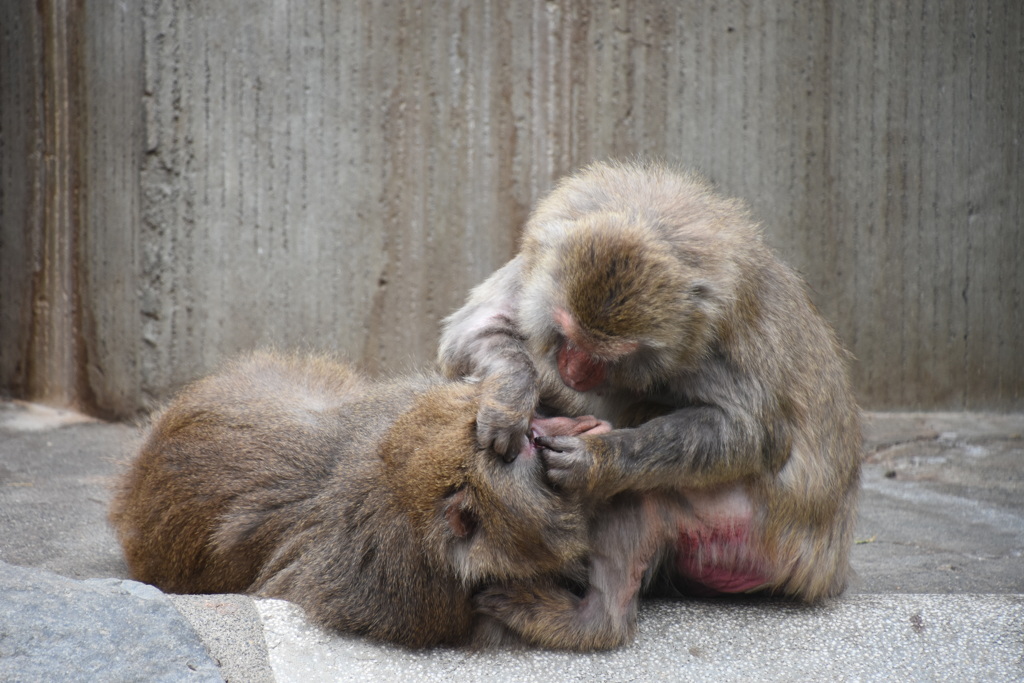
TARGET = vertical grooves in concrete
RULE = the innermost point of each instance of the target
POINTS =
(111, 141)
(21, 185)
(53, 363)
(338, 175)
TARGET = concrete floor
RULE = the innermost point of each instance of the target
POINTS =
(938, 593)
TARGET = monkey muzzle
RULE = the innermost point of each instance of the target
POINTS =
(579, 370)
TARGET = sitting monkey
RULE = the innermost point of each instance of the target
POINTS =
(369, 504)
(644, 298)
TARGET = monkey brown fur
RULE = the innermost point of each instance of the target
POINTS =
(644, 298)
(368, 504)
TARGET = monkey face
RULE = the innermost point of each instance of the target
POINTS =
(607, 302)
(519, 524)
(487, 518)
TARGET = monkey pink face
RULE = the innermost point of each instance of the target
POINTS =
(583, 365)
(579, 370)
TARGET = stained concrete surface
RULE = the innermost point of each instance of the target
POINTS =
(939, 565)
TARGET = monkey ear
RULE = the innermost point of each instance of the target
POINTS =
(461, 519)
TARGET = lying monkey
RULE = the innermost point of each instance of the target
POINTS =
(368, 504)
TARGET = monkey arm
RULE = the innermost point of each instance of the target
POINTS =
(640, 412)
(482, 339)
(694, 447)
(698, 446)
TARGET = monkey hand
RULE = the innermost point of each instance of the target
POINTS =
(516, 605)
(541, 613)
(507, 402)
(578, 464)
(546, 614)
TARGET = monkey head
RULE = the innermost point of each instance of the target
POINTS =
(491, 519)
(607, 300)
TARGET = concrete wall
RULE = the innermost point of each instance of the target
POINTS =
(340, 174)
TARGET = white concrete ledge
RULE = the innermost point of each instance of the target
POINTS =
(863, 637)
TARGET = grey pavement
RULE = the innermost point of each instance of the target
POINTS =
(939, 593)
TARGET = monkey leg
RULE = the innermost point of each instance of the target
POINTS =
(626, 542)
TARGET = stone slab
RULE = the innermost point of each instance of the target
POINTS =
(55, 628)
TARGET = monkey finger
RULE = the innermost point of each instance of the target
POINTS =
(490, 600)
(559, 444)
(568, 467)
(501, 603)
(503, 445)
(512, 605)
(495, 430)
